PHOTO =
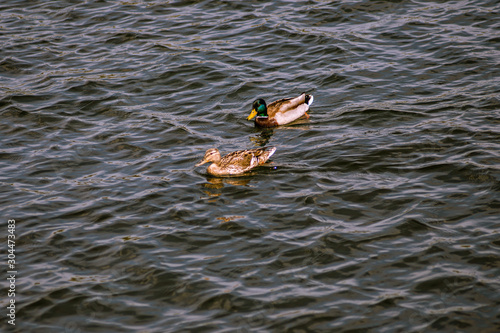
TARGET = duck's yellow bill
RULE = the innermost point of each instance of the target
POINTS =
(252, 114)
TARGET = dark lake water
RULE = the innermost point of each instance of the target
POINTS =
(379, 213)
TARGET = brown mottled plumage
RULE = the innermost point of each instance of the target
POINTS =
(280, 112)
(236, 162)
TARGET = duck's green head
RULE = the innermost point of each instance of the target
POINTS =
(259, 109)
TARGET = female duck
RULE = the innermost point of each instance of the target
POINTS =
(280, 112)
(236, 162)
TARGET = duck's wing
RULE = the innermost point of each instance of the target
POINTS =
(263, 154)
(236, 162)
(244, 160)
(288, 109)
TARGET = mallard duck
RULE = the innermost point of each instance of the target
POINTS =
(236, 162)
(280, 112)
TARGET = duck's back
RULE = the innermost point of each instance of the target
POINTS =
(287, 110)
(241, 161)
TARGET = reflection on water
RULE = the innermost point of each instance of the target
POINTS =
(216, 183)
(262, 139)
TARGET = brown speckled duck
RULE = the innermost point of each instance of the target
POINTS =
(236, 162)
(280, 112)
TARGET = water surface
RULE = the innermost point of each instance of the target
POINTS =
(380, 213)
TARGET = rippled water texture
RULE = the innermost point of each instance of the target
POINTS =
(380, 213)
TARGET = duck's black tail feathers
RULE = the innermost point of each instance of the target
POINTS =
(309, 99)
